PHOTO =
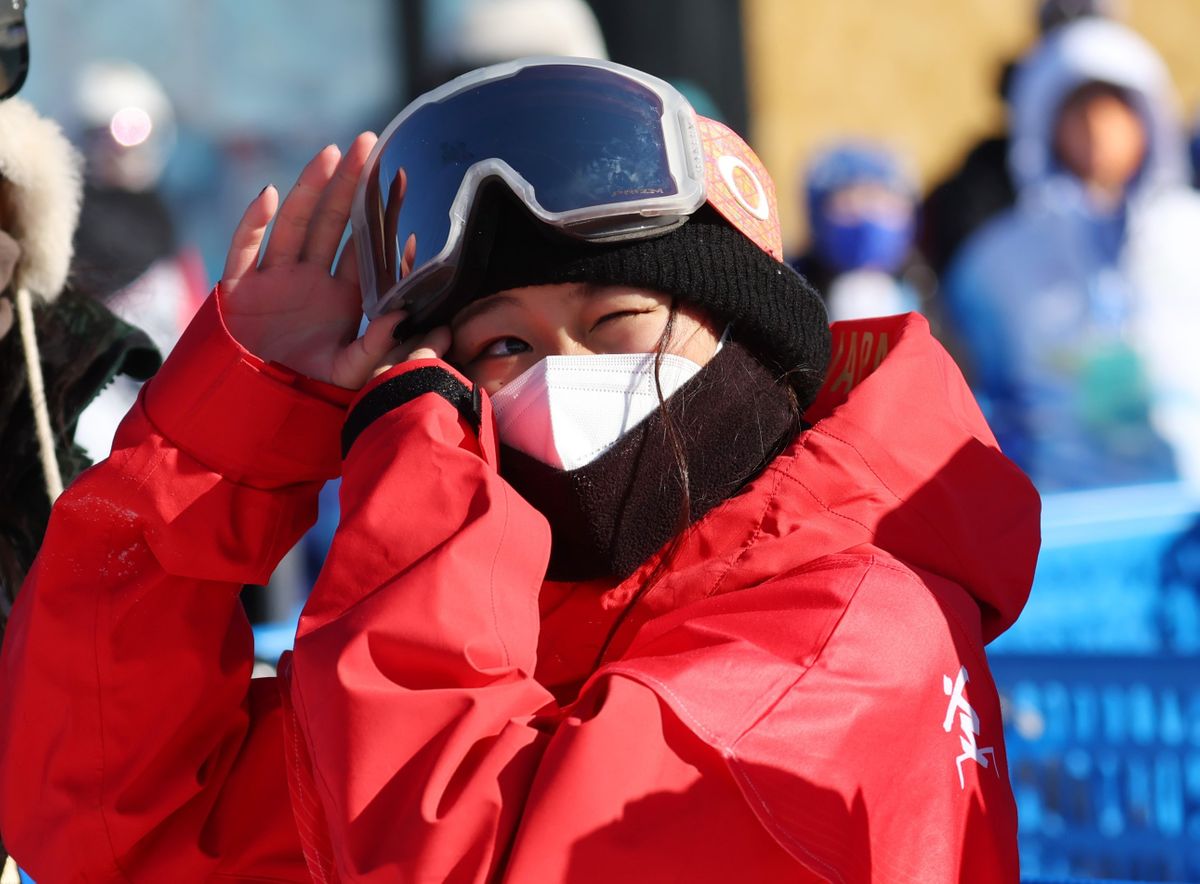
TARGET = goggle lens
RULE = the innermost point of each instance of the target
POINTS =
(14, 48)
(580, 137)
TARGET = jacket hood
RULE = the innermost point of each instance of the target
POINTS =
(898, 459)
(898, 462)
(44, 177)
(1093, 50)
(899, 447)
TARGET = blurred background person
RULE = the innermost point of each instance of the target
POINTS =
(77, 344)
(1078, 305)
(981, 186)
(127, 251)
(176, 142)
(470, 34)
(1194, 149)
(861, 206)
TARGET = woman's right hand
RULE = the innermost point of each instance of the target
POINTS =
(284, 301)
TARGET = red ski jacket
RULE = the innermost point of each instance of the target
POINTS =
(803, 696)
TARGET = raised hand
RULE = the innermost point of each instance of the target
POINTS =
(283, 301)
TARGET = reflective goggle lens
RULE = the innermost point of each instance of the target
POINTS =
(569, 137)
(14, 48)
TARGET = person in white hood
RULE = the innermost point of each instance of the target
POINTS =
(59, 346)
(1076, 306)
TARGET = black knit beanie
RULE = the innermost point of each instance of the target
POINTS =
(775, 313)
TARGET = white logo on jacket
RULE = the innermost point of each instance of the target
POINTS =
(968, 723)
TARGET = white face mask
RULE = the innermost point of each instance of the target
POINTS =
(566, 411)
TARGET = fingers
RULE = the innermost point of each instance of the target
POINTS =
(433, 346)
(376, 351)
(391, 222)
(291, 224)
(325, 230)
(409, 256)
(248, 237)
(358, 360)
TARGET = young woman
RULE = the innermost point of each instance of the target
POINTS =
(601, 605)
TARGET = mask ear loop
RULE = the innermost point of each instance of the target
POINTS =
(37, 395)
(725, 336)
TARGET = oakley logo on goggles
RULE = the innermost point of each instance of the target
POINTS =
(595, 150)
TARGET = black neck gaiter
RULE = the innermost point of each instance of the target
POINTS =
(608, 517)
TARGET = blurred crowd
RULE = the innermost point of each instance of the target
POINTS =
(1056, 263)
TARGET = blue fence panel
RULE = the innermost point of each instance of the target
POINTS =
(1118, 574)
(1100, 686)
(1104, 757)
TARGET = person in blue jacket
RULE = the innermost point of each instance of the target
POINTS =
(1076, 306)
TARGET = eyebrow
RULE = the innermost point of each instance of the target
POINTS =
(479, 308)
(492, 302)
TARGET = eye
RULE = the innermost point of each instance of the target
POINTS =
(502, 347)
(618, 314)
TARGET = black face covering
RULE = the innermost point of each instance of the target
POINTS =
(608, 517)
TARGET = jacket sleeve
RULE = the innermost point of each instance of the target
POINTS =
(412, 670)
(134, 745)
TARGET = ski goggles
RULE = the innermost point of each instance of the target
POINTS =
(14, 48)
(594, 150)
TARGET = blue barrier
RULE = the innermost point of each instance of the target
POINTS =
(1104, 759)
(1118, 574)
(1057, 879)
(272, 639)
(1100, 687)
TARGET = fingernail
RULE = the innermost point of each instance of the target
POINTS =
(264, 190)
